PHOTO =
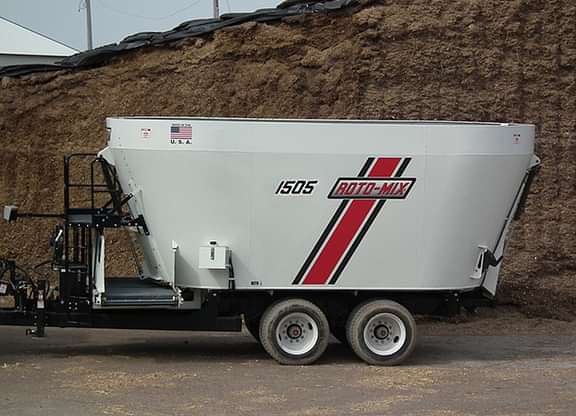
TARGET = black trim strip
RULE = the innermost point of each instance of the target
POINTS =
(365, 228)
(328, 230)
(403, 167)
(366, 166)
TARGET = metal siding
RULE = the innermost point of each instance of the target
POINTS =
(7, 60)
(221, 186)
(18, 40)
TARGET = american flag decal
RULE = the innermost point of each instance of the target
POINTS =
(181, 132)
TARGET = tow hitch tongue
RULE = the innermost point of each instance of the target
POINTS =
(29, 297)
(11, 214)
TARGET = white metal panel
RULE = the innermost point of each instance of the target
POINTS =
(467, 200)
(191, 198)
(293, 224)
(221, 186)
(18, 40)
(489, 139)
(9, 59)
(257, 136)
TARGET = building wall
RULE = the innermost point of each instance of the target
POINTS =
(6, 60)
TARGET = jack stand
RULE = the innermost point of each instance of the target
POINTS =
(40, 321)
(37, 332)
(40, 316)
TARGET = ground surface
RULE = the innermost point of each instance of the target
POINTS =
(525, 367)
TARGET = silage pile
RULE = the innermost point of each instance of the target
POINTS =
(485, 60)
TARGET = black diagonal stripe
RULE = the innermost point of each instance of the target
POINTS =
(403, 167)
(366, 166)
(329, 228)
(365, 228)
(320, 241)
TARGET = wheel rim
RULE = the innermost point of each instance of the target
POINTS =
(385, 334)
(297, 333)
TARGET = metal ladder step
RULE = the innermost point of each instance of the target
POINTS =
(123, 291)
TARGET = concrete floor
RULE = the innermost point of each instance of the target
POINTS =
(105, 372)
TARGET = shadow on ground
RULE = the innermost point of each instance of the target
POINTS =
(234, 348)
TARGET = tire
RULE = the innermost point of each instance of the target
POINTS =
(381, 332)
(294, 332)
(252, 324)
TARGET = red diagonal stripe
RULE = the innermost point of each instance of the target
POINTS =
(347, 228)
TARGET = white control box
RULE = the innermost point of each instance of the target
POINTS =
(213, 257)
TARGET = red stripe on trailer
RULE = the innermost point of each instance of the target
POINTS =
(347, 228)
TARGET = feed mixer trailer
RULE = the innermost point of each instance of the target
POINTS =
(302, 228)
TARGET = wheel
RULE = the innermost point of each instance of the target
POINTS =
(253, 326)
(381, 332)
(294, 332)
(339, 332)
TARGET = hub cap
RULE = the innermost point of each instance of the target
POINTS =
(385, 334)
(297, 333)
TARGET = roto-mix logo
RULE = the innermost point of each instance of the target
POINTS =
(363, 197)
(364, 188)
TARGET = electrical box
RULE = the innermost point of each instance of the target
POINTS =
(213, 256)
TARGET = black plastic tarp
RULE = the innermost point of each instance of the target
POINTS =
(100, 56)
